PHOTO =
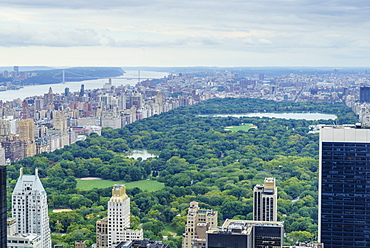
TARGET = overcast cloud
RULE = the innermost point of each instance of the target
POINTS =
(185, 33)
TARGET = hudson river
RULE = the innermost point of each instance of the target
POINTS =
(37, 90)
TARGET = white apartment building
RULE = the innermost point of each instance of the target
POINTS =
(21, 240)
(29, 207)
(118, 214)
(115, 228)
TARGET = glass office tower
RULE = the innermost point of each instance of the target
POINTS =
(364, 94)
(344, 187)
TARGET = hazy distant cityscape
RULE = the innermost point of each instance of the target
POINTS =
(58, 118)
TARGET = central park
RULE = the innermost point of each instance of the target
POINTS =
(215, 161)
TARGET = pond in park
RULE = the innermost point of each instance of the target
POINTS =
(143, 153)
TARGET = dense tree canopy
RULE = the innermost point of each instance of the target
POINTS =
(198, 161)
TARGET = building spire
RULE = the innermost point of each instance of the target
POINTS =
(37, 172)
(21, 172)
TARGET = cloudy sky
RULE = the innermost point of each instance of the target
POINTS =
(185, 33)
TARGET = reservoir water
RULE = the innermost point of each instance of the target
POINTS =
(296, 116)
(142, 153)
(37, 90)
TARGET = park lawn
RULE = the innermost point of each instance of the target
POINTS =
(149, 185)
(169, 230)
(243, 127)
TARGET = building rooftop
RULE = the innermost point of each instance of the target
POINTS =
(142, 243)
(28, 182)
(25, 236)
(344, 133)
(228, 224)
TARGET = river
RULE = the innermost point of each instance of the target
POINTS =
(37, 90)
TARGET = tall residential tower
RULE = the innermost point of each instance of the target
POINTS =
(30, 208)
(26, 134)
(265, 201)
(198, 222)
(116, 227)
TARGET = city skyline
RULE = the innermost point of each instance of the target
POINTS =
(160, 33)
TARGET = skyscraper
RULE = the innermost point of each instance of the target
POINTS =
(116, 227)
(49, 97)
(61, 128)
(364, 94)
(16, 70)
(29, 207)
(118, 212)
(122, 101)
(134, 99)
(261, 76)
(159, 98)
(3, 214)
(25, 113)
(198, 222)
(66, 92)
(26, 134)
(344, 187)
(82, 91)
(265, 201)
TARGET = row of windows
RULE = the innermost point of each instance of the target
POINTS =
(345, 145)
(19, 242)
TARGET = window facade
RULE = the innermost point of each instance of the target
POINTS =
(345, 194)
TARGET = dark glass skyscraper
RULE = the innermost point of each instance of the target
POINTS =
(66, 92)
(3, 214)
(344, 187)
(82, 91)
(364, 94)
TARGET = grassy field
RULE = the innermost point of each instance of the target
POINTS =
(169, 230)
(243, 127)
(150, 185)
